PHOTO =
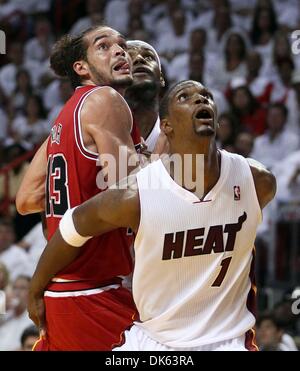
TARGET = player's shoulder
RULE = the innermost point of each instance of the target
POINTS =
(264, 180)
(104, 95)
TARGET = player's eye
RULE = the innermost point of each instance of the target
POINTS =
(103, 46)
(182, 97)
(149, 58)
(207, 95)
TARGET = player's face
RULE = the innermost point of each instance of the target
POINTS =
(145, 69)
(192, 110)
(108, 60)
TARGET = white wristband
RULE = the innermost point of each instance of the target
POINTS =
(68, 231)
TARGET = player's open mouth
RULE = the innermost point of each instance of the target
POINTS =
(122, 66)
(204, 115)
(141, 70)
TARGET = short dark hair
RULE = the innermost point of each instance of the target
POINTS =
(29, 331)
(66, 51)
(280, 106)
(272, 318)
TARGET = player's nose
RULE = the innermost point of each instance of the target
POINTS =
(119, 51)
(139, 60)
(200, 99)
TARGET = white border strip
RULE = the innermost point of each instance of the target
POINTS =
(65, 294)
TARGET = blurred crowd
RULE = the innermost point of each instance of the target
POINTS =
(241, 50)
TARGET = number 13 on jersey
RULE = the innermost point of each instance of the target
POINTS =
(57, 191)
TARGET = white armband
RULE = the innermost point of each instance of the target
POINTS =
(68, 231)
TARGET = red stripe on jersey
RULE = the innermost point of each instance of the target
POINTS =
(250, 341)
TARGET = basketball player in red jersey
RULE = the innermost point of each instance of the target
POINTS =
(86, 306)
(143, 93)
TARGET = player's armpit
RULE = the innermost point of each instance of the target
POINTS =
(265, 182)
(31, 194)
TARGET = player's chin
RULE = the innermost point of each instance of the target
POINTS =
(123, 80)
(204, 130)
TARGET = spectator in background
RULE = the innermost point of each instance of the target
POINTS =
(3, 120)
(293, 104)
(135, 16)
(65, 93)
(6, 299)
(33, 243)
(23, 90)
(232, 64)
(282, 84)
(94, 10)
(277, 143)
(260, 86)
(11, 255)
(29, 337)
(9, 71)
(32, 128)
(38, 48)
(226, 132)
(181, 65)
(271, 335)
(243, 144)
(176, 39)
(281, 48)
(251, 116)
(12, 329)
(4, 277)
(217, 22)
(264, 28)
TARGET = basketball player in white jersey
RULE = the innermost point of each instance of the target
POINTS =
(194, 252)
(143, 95)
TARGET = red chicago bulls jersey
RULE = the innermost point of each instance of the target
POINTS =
(71, 179)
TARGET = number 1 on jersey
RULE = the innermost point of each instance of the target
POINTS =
(225, 265)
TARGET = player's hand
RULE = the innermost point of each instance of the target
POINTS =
(36, 311)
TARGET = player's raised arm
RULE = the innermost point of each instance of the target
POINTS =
(265, 182)
(102, 213)
(31, 194)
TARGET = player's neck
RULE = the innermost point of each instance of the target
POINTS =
(145, 118)
(204, 171)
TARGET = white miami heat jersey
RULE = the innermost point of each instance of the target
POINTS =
(192, 281)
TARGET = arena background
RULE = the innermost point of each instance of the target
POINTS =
(246, 52)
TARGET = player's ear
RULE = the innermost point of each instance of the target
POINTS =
(166, 127)
(81, 68)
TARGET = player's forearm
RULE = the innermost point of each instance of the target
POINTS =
(56, 256)
(31, 194)
(30, 203)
